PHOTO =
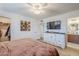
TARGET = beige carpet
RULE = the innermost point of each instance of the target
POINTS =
(68, 51)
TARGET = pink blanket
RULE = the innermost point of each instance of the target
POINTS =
(26, 47)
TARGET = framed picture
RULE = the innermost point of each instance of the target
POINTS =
(25, 26)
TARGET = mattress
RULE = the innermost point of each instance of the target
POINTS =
(27, 47)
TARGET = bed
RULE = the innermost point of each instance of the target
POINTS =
(27, 47)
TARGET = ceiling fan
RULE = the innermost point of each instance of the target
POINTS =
(37, 8)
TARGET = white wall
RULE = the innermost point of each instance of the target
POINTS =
(35, 30)
(15, 26)
(63, 18)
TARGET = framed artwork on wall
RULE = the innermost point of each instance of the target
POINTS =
(25, 25)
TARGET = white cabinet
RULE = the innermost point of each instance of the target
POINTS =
(60, 40)
(46, 37)
(55, 39)
(52, 39)
(49, 38)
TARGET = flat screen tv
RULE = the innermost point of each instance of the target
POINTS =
(54, 25)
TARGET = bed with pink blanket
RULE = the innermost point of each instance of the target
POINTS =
(27, 47)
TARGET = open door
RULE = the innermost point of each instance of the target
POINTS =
(5, 34)
(73, 32)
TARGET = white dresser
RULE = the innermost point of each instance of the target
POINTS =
(54, 38)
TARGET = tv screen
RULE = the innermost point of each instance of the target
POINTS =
(54, 25)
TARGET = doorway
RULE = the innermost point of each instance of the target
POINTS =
(73, 32)
(5, 34)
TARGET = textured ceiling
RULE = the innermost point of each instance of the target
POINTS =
(51, 9)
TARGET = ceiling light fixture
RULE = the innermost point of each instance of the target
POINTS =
(37, 8)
